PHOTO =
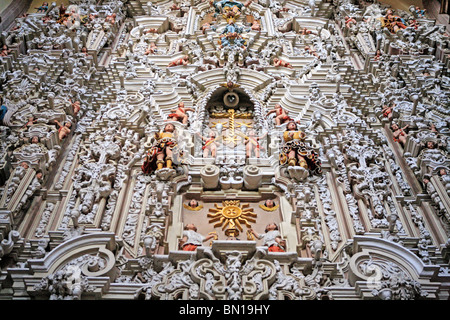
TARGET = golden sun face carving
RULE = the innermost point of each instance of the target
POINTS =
(231, 215)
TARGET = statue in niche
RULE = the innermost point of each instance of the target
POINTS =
(281, 115)
(210, 146)
(179, 114)
(271, 238)
(269, 205)
(295, 152)
(193, 205)
(192, 239)
(161, 153)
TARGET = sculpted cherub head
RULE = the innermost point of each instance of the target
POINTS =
(169, 128)
(291, 126)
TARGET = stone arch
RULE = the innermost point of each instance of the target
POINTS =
(388, 270)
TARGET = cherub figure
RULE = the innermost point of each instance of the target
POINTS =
(84, 51)
(183, 61)
(206, 26)
(420, 12)
(29, 123)
(43, 8)
(269, 205)
(256, 26)
(111, 18)
(180, 114)
(310, 50)
(151, 49)
(34, 139)
(271, 238)
(378, 55)
(399, 133)
(76, 106)
(39, 175)
(281, 63)
(193, 205)
(430, 144)
(64, 130)
(281, 115)
(5, 51)
(192, 239)
(305, 31)
(252, 146)
(24, 165)
(387, 111)
(413, 23)
(433, 128)
(210, 146)
(349, 21)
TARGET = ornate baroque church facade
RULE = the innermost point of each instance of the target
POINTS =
(224, 150)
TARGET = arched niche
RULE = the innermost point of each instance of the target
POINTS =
(231, 119)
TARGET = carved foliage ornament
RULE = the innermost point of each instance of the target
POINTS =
(236, 277)
(389, 281)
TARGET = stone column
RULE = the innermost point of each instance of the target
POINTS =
(210, 176)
